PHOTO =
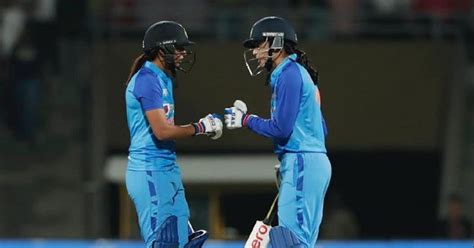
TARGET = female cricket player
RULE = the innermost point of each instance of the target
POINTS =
(153, 178)
(296, 126)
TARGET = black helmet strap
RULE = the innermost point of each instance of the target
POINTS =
(168, 52)
(269, 62)
(276, 44)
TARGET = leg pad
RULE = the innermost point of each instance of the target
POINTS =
(282, 237)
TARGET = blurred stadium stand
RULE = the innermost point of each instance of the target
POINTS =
(397, 80)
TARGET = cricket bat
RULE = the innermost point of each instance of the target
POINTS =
(260, 235)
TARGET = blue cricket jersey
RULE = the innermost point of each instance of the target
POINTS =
(150, 88)
(296, 123)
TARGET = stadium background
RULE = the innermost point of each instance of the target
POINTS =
(397, 81)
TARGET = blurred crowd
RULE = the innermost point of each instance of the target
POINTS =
(316, 19)
(31, 34)
(27, 44)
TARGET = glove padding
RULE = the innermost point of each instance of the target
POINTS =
(234, 115)
(211, 125)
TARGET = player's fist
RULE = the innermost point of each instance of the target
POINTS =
(234, 116)
(211, 125)
(219, 127)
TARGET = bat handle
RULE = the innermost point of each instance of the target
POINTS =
(271, 213)
(190, 227)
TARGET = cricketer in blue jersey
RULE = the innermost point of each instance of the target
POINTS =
(153, 178)
(296, 127)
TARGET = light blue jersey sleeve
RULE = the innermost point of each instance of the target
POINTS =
(288, 94)
(148, 91)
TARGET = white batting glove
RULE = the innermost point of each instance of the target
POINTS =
(236, 116)
(220, 127)
(211, 125)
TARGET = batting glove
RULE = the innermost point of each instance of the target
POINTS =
(236, 116)
(211, 125)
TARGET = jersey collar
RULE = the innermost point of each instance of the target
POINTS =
(276, 72)
(158, 71)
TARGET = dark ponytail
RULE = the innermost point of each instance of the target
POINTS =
(303, 60)
(139, 61)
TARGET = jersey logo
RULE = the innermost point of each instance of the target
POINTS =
(165, 92)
